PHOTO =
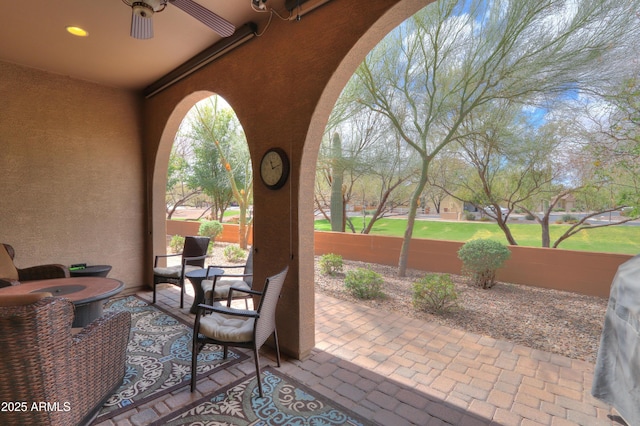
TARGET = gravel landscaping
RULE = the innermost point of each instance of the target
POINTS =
(564, 323)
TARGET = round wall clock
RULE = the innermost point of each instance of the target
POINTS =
(274, 168)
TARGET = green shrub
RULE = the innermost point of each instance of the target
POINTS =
(211, 229)
(481, 259)
(435, 293)
(234, 253)
(469, 216)
(176, 244)
(569, 218)
(529, 216)
(628, 211)
(364, 283)
(330, 264)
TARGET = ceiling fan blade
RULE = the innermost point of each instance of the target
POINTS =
(207, 17)
(141, 27)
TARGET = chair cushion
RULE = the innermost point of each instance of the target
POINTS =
(174, 271)
(227, 328)
(7, 268)
(222, 288)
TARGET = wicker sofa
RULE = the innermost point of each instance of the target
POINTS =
(11, 275)
(51, 375)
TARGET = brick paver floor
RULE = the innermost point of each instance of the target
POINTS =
(394, 370)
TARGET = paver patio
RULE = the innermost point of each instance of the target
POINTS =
(395, 370)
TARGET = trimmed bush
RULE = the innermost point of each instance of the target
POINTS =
(364, 283)
(211, 229)
(435, 293)
(234, 253)
(176, 244)
(481, 259)
(330, 264)
(569, 218)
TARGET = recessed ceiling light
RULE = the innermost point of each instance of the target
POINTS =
(77, 31)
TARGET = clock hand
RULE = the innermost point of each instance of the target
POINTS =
(272, 166)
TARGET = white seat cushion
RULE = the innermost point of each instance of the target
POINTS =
(227, 328)
(222, 288)
(174, 271)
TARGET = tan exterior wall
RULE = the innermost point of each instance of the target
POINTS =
(575, 271)
(72, 173)
(450, 215)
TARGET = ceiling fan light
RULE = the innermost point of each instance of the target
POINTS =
(141, 26)
(142, 9)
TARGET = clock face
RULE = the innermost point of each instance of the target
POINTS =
(274, 168)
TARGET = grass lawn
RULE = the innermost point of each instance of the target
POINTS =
(612, 239)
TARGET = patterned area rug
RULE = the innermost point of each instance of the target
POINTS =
(285, 402)
(158, 356)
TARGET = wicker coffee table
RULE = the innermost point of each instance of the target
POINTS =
(88, 294)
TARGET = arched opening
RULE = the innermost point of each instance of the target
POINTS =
(323, 109)
(158, 226)
(201, 108)
(560, 78)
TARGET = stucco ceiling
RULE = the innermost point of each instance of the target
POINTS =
(33, 34)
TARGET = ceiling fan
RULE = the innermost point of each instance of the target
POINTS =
(142, 12)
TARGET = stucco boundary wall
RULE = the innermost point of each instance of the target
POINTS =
(190, 227)
(589, 273)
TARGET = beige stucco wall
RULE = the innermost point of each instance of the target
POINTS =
(71, 172)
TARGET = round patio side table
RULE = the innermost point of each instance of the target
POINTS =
(196, 277)
(91, 271)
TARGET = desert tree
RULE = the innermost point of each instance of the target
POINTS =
(451, 58)
(360, 162)
(178, 191)
(222, 165)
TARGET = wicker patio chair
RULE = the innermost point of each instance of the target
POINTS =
(42, 362)
(11, 275)
(193, 255)
(227, 326)
(217, 289)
